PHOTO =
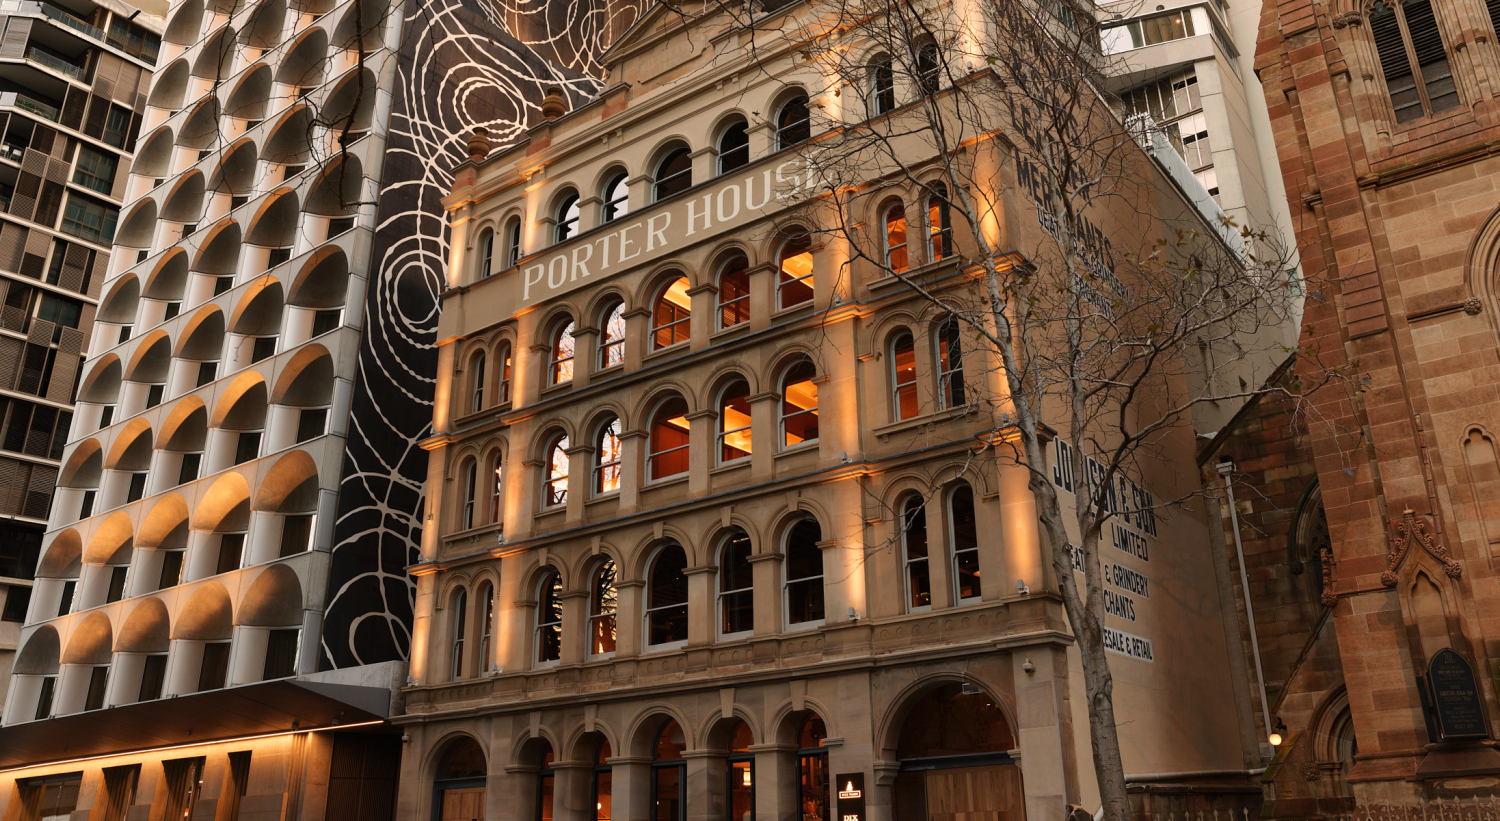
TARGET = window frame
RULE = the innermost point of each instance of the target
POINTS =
(469, 476)
(660, 184)
(738, 305)
(647, 611)
(784, 279)
(556, 363)
(942, 231)
(486, 254)
(946, 367)
(597, 613)
(894, 250)
(612, 208)
(898, 387)
(554, 484)
(782, 416)
(495, 477)
(882, 94)
(652, 455)
(721, 432)
(720, 152)
(550, 582)
(476, 382)
(787, 581)
(951, 492)
(566, 217)
(502, 355)
(513, 250)
(458, 625)
(601, 466)
(680, 318)
(906, 520)
(608, 344)
(786, 131)
(729, 541)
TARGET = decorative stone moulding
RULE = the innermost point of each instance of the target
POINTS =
(1407, 528)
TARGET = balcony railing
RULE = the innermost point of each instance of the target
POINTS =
(72, 22)
(11, 99)
(57, 64)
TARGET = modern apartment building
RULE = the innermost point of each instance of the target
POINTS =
(709, 537)
(73, 80)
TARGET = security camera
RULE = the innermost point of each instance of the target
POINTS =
(1021, 587)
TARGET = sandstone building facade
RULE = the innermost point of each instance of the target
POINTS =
(706, 537)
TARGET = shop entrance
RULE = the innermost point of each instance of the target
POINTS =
(954, 750)
(459, 786)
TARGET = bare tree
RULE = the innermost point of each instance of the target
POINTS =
(1129, 312)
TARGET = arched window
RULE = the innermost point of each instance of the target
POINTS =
(549, 619)
(567, 217)
(929, 68)
(803, 587)
(812, 769)
(603, 783)
(476, 384)
(672, 315)
(734, 146)
(1393, 27)
(496, 479)
(513, 252)
(914, 549)
(562, 353)
(957, 721)
(604, 599)
(667, 598)
(555, 480)
(895, 237)
(795, 284)
(612, 336)
(965, 542)
(740, 774)
(950, 358)
(607, 457)
(459, 609)
(734, 421)
(669, 440)
(882, 86)
(502, 354)
(939, 229)
(546, 783)
(674, 174)
(486, 254)
(793, 123)
(668, 774)
(799, 404)
(734, 292)
(486, 628)
(616, 198)
(736, 586)
(471, 487)
(904, 376)
(459, 782)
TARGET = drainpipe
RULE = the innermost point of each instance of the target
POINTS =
(1226, 467)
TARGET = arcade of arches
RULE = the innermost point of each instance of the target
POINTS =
(950, 758)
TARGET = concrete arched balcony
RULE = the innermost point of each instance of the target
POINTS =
(308, 11)
(57, 576)
(233, 179)
(185, 26)
(78, 483)
(321, 287)
(218, 527)
(117, 311)
(305, 64)
(109, 550)
(153, 162)
(336, 193)
(215, 59)
(90, 645)
(146, 632)
(307, 397)
(272, 605)
(351, 103)
(197, 134)
(98, 394)
(165, 286)
(182, 205)
(288, 507)
(200, 346)
(265, 26)
(207, 619)
(163, 534)
(361, 27)
(127, 463)
(169, 90)
(138, 227)
(146, 374)
(237, 423)
(181, 445)
(272, 237)
(255, 327)
(216, 257)
(39, 659)
(287, 146)
(250, 100)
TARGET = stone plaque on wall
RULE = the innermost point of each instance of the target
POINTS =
(1455, 694)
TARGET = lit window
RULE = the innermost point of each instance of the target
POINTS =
(612, 336)
(503, 355)
(939, 229)
(497, 487)
(895, 238)
(904, 376)
(476, 384)
(950, 365)
(734, 422)
(669, 440)
(799, 405)
(734, 147)
(562, 353)
(965, 542)
(914, 547)
(486, 254)
(486, 627)
(471, 481)
(795, 284)
(607, 458)
(555, 482)
(604, 600)
(670, 319)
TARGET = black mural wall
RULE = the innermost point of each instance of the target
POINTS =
(462, 64)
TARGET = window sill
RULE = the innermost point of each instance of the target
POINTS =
(802, 627)
(549, 512)
(726, 333)
(560, 387)
(658, 649)
(608, 496)
(781, 313)
(654, 484)
(731, 467)
(810, 446)
(604, 373)
(741, 636)
(946, 415)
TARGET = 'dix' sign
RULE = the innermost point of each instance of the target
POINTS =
(655, 233)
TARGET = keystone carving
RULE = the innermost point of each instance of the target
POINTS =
(1348, 18)
(1472, 306)
(1311, 771)
(1407, 528)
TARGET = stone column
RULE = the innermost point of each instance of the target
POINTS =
(705, 304)
(580, 481)
(628, 616)
(701, 617)
(572, 789)
(574, 625)
(1044, 733)
(703, 785)
(700, 450)
(763, 434)
(632, 469)
(766, 567)
(585, 353)
(776, 782)
(762, 294)
(631, 786)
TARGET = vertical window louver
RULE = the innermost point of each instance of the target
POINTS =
(1411, 47)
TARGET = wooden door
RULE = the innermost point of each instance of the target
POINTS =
(463, 805)
(975, 794)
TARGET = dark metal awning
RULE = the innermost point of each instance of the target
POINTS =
(255, 709)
